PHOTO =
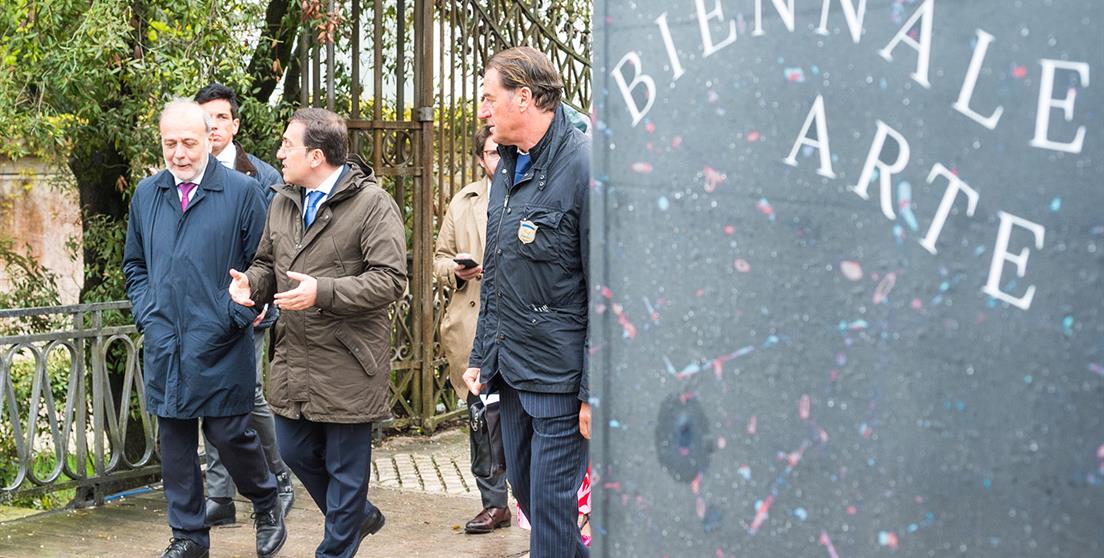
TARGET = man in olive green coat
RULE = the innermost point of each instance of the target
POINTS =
(333, 258)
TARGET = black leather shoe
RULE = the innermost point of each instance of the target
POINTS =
(220, 514)
(285, 492)
(371, 525)
(271, 532)
(488, 520)
(184, 548)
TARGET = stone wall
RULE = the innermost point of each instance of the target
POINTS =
(39, 206)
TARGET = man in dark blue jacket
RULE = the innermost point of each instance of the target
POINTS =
(531, 336)
(189, 225)
(222, 104)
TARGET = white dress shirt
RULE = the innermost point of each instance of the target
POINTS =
(196, 181)
(327, 185)
(228, 155)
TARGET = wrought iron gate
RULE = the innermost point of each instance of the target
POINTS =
(414, 70)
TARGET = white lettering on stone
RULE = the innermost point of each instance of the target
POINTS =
(967, 92)
(627, 88)
(820, 143)
(1047, 102)
(954, 186)
(925, 13)
(672, 54)
(785, 11)
(885, 170)
(708, 46)
(1001, 255)
(854, 18)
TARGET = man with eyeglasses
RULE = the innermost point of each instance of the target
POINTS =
(460, 244)
(333, 259)
(222, 104)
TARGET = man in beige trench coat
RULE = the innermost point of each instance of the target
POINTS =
(462, 235)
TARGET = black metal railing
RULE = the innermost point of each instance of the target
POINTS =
(72, 400)
(82, 440)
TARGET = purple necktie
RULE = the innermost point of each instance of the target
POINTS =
(185, 189)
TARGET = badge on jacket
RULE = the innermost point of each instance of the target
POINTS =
(527, 232)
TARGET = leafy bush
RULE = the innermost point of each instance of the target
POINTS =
(31, 285)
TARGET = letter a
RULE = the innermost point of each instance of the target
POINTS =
(923, 47)
(820, 143)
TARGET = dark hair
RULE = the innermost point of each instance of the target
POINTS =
(480, 140)
(528, 67)
(324, 130)
(216, 91)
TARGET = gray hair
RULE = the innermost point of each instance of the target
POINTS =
(182, 105)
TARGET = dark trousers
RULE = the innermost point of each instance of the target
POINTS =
(241, 453)
(492, 490)
(219, 483)
(546, 459)
(334, 463)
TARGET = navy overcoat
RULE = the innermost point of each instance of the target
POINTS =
(198, 350)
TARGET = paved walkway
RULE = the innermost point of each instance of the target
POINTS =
(424, 486)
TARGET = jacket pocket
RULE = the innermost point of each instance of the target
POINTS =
(538, 233)
(555, 343)
(359, 349)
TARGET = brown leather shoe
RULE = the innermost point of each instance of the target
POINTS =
(488, 520)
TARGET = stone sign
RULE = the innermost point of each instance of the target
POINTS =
(846, 275)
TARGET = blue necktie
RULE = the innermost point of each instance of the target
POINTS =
(521, 166)
(313, 197)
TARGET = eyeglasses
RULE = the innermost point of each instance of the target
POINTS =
(290, 147)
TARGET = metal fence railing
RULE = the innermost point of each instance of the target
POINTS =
(70, 401)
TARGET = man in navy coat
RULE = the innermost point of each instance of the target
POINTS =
(531, 336)
(189, 225)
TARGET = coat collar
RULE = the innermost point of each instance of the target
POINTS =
(242, 163)
(541, 154)
(548, 142)
(346, 185)
(213, 177)
(475, 189)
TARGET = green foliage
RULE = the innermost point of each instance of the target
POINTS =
(97, 72)
(104, 239)
(262, 127)
(30, 285)
(57, 56)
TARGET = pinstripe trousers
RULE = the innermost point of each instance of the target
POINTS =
(546, 459)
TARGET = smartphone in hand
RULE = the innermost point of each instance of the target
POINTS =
(466, 263)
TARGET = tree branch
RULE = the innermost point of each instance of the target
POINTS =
(270, 59)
